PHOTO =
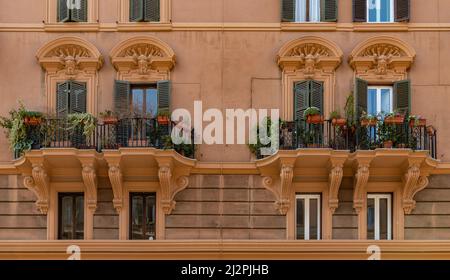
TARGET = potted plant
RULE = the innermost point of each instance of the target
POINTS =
(368, 120)
(415, 121)
(163, 117)
(312, 115)
(109, 117)
(337, 120)
(83, 123)
(32, 118)
(386, 134)
(309, 138)
(394, 118)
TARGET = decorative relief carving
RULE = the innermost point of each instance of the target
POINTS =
(283, 190)
(170, 186)
(90, 181)
(39, 184)
(361, 179)
(335, 179)
(116, 179)
(413, 183)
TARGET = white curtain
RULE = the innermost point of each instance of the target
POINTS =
(314, 10)
(300, 10)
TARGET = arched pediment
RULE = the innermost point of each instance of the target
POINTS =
(142, 55)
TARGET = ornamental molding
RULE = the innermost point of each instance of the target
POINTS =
(281, 187)
(413, 182)
(39, 183)
(69, 56)
(309, 55)
(334, 181)
(359, 186)
(89, 175)
(143, 56)
(116, 179)
(382, 58)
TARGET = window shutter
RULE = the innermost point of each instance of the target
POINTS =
(301, 99)
(288, 10)
(402, 10)
(122, 91)
(136, 10)
(63, 11)
(359, 10)
(80, 15)
(163, 96)
(329, 10)
(402, 91)
(360, 97)
(316, 95)
(77, 97)
(151, 10)
(62, 99)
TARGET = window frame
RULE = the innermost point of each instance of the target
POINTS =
(74, 195)
(307, 197)
(308, 9)
(378, 4)
(144, 226)
(378, 95)
(52, 23)
(376, 197)
(165, 16)
(145, 87)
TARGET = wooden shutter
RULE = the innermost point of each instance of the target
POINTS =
(63, 11)
(402, 10)
(151, 10)
(136, 10)
(288, 10)
(359, 10)
(301, 99)
(62, 99)
(316, 95)
(122, 92)
(360, 97)
(402, 96)
(328, 10)
(77, 97)
(80, 15)
(163, 96)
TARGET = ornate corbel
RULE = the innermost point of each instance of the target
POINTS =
(39, 184)
(170, 186)
(361, 179)
(335, 179)
(90, 181)
(116, 179)
(413, 183)
(282, 190)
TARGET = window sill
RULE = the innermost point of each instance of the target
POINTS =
(144, 26)
(308, 26)
(377, 27)
(72, 26)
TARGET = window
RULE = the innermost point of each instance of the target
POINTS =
(379, 216)
(379, 100)
(144, 100)
(380, 10)
(144, 10)
(70, 98)
(71, 216)
(307, 94)
(143, 216)
(307, 10)
(72, 10)
(308, 216)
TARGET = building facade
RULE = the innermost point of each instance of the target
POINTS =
(377, 174)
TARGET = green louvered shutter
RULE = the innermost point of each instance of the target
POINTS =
(359, 10)
(77, 97)
(301, 99)
(122, 95)
(62, 99)
(316, 95)
(402, 96)
(360, 97)
(163, 96)
(80, 15)
(328, 10)
(288, 10)
(151, 10)
(402, 10)
(136, 10)
(63, 11)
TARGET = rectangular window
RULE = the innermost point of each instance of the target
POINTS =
(307, 10)
(143, 216)
(72, 10)
(144, 100)
(308, 216)
(379, 216)
(71, 216)
(145, 10)
(379, 100)
(380, 10)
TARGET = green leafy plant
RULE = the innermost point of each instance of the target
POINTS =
(85, 121)
(415, 120)
(311, 111)
(335, 115)
(184, 149)
(350, 110)
(108, 114)
(256, 148)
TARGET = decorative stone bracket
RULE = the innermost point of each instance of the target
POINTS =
(116, 179)
(413, 183)
(281, 188)
(172, 182)
(39, 183)
(360, 183)
(335, 179)
(89, 176)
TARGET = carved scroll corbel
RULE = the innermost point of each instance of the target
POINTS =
(282, 190)
(413, 183)
(361, 179)
(170, 186)
(116, 179)
(335, 179)
(90, 181)
(39, 184)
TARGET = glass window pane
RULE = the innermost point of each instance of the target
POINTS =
(370, 218)
(151, 101)
(79, 217)
(314, 10)
(372, 101)
(137, 97)
(372, 7)
(300, 10)
(313, 222)
(385, 11)
(386, 100)
(137, 216)
(150, 205)
(66, 217)
(300, 218)
(383, 219)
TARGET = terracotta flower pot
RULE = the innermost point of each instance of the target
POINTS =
(387, 144)
(367, 122)
(339, 122)
(419, 122)
(33, 121)
(394, 120)
(314, 119)
(110, 120)
(163, 120)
